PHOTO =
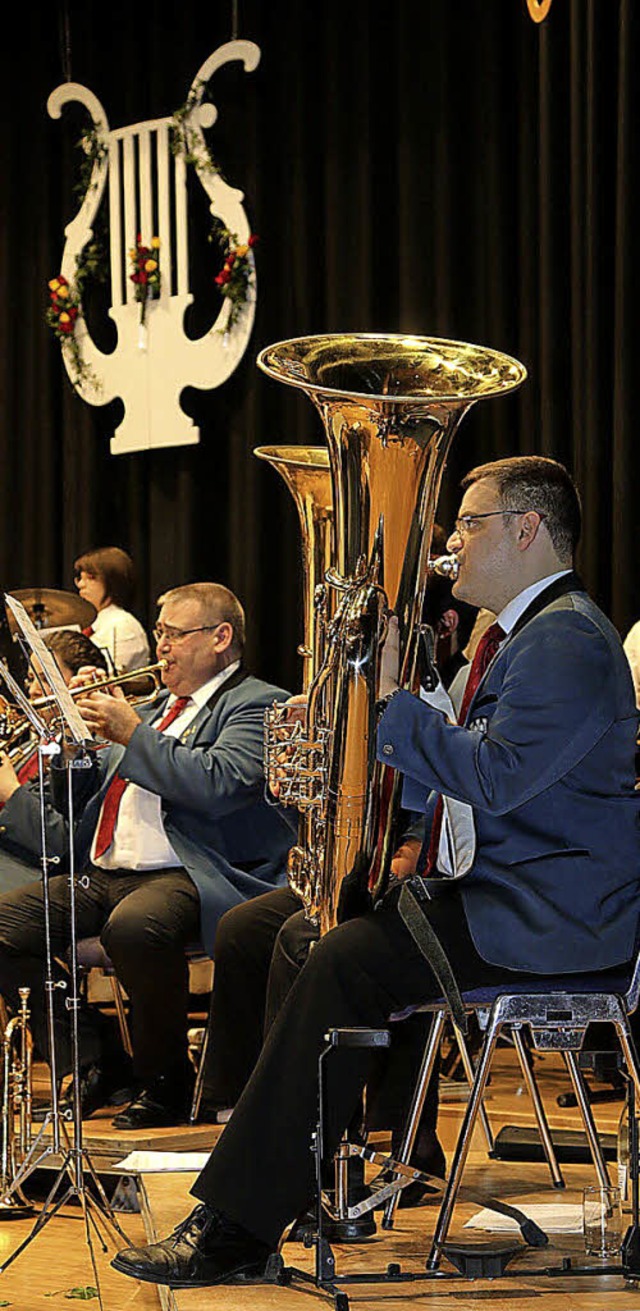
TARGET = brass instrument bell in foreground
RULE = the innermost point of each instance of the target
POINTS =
(390, 406)
(305, 470)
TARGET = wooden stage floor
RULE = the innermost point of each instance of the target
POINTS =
(58, 1259)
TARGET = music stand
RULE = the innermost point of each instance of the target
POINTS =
(76, 1165)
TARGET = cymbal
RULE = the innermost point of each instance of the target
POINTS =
(48, 608)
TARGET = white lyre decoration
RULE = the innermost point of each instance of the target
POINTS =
(152, 364)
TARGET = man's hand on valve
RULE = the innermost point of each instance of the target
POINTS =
(405, 860)
(107, 713)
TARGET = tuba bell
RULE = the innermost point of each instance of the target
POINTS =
(390, 406)
(305, 470)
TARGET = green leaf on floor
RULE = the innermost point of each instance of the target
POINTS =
(84, 1294)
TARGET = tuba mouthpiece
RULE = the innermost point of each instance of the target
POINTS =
(446, 566)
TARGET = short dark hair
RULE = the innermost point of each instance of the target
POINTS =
(534, 482)
(218, 605)
(115, 570)
(75, 650)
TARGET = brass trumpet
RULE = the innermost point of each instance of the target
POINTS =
(17, 1051)
(152, 672)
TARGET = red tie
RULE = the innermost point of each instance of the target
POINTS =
(113, 794)
(485, 651)
(29, 769)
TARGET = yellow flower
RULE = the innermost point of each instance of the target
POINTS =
(54, 284)
(63, 293)
(64, 317)
(155, 243)
(241, 251)
(132, 252)
(151, 265)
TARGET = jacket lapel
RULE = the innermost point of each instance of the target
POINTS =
(192, 729)
(568, 583)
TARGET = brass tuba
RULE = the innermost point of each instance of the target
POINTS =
(305, 470)
(390, 406)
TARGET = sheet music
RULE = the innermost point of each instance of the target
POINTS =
(79, 731)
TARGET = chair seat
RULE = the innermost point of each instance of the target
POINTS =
(554, 985)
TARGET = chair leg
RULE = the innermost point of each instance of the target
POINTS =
(118, 1001)
(627, 1043)
(582, 1098)
(471, 1074)
(463, 1144)
(199, 1083)
(541, 1118)
(415, 1110)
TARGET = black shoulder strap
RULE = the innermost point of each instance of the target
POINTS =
(413, 915)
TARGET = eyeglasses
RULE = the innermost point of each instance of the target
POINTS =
(464, 524)
(176, 635)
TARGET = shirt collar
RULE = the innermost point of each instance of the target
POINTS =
(509, 617)
(203, 693)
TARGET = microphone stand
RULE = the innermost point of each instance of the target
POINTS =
(76, 1167)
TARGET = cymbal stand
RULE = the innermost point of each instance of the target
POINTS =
(76, 1167)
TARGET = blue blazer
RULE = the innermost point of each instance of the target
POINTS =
(546, 760)
(232, 843)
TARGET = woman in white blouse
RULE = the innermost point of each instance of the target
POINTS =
(105, 577)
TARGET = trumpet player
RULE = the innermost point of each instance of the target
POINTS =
(172, 830)
(19, 802)
(542, 756)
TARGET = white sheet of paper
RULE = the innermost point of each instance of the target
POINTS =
(79, 730)
(163, 1162)
(554, 1218)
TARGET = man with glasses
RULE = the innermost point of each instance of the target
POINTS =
(542, 756)
(172, 830)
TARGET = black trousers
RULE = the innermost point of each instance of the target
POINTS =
(256, 963)
(145, 921)
(261, 1172)
(261, 946)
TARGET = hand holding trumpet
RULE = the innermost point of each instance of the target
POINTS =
(106, 712)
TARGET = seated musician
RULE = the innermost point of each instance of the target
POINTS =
(261, 946)
(20, 842)
(543, 756)
(172, 830)
(632, 651)
(105, 578)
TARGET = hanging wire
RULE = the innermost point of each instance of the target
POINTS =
(234, 20)
(64, 37)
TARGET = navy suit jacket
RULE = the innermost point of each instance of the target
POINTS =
(546, 760)
(232, 843)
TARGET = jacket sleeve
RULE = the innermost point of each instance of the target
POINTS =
(217, 778)
(21, 829)
(559, 695)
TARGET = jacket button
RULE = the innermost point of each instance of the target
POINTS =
(387, 749)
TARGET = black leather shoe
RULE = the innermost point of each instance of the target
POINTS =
(163, 1103)
(99, 1086)
(205, 1249)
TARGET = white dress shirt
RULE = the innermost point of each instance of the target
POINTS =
(139, 839)
(122, 636)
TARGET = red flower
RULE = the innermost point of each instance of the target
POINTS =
(253, 239)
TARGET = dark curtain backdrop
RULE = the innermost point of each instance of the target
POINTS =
(416, 166)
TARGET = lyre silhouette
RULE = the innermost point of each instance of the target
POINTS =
(150, 366)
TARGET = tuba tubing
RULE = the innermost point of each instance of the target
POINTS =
(390, 406)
